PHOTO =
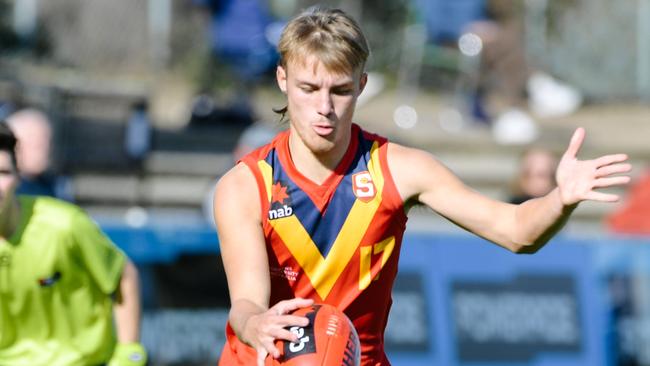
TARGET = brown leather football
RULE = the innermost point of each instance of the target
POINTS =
(329, 340)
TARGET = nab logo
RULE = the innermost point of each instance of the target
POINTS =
(363, 187)
(280, 202)
(280, 212)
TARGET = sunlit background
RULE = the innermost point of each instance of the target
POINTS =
(151, 101)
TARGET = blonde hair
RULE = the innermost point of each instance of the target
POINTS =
(330, 35)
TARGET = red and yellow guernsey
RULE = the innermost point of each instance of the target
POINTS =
(337, 242)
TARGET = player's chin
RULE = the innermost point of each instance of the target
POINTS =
(322, 145)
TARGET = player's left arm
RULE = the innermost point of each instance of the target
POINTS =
(126, 307)
(126, 310)
(520, 228)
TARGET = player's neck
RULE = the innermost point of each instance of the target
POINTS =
(317, 167)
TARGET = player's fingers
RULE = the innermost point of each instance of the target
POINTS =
(576, 142)
(611, 181)
(287, 306)
(261, 356)
(602, 197)
(271, 349)
(285, 334)
(613, 169)
(290, 320)
(298, 303)
(610, 159)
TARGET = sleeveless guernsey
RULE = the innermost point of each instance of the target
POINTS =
(336, 243)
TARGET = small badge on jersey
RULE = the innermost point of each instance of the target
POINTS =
(363, 187)
(284, 272)
(49, 281)
(280, 202)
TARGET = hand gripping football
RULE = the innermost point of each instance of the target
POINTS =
(329, 340)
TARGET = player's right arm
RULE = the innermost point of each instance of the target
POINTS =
(237, 212)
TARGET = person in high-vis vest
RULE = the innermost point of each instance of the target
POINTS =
(68, 295)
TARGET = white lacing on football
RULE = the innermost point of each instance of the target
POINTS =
(332, 325)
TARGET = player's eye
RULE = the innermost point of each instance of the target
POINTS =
(345, 91)
(307, 89)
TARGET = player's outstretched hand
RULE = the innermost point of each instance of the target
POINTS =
(578, 179)
(263, 329)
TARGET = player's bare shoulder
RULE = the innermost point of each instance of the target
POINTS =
(400, 154)
(236, 193)
(414, 170)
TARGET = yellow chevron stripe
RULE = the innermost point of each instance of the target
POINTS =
(324, 272)
(374, 168)
(267, 175)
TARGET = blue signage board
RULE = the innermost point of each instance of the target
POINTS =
(488, 306)
(163, 244)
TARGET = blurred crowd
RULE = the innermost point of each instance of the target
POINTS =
(497, 83)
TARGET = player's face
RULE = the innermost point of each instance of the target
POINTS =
(320, 103)
(8, 178)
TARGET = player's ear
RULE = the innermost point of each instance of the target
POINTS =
(363, 80)
(281, 77)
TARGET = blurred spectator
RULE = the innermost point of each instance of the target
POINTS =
(137, 143)
(242, 36)
(503, 69)
(34, 133)
(445, 19)
(634, 216)
(6, 109)
(11, 99)
(239, 33)
(8, 38)
(508, 86)
(536, 176)
(137, 139)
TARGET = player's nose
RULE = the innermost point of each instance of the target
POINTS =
(325, 106)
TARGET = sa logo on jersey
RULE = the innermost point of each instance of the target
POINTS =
(363, 187)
